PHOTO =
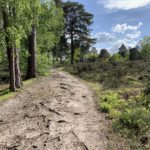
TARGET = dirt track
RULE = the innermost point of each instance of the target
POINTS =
(55, 113)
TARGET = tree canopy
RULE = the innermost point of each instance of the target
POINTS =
(77, 22)
(31, 26)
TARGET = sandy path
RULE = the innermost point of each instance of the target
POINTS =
(55, 113)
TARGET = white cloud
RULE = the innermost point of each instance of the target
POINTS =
(135, 35)
(128, 35)
(104, 37)
(121, 28)
(119, 42)
(126, 42)
(124, 4)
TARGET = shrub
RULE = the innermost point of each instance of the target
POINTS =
(134, 54)
(105, 107)
(123, 51)
(134, 120)
(104, 54)
(43, 64)
(147, 89)
(91, 57)
(116, 58)
(113, 74)
(146, 48)
(112, 104)
(144, 100)
(112, 82)
(2, 56)
(125, 105)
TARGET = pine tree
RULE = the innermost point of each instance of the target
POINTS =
(77, 22)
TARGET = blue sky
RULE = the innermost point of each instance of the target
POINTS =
(118, 21)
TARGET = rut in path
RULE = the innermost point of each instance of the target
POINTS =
(55, 113)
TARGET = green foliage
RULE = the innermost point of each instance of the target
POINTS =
(46, 15)
(76, 28)
(23, 60)
(93, 50)
(129, 112)
(18, 22)
(104, 54)
(114, 74)
(77, 55)
(75, 14)
(127, 104)
(116, 58)
(133, 121)
(146, 48)
(50, 26)
(60, 51)
(44, 62)
(147, 89)
(112, 104)
(2, 56)
(130, 117)
(132, 81)
(134, 54)
(123, 51)
(93, 57)
(2, 48)
(144, 101)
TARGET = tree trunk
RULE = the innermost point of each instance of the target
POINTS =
(72, 49)
(10, 53)
(31, 70)
(18, 81)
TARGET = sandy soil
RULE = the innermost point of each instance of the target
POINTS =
(55, 113)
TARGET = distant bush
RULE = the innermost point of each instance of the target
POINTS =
(123, 51)
(43, 64)
(91, 57)
(114, 74)
(135, 54)
(116, 58)
(145, 48)
(104, 54)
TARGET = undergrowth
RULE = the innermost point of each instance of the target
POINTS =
(119, 87)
